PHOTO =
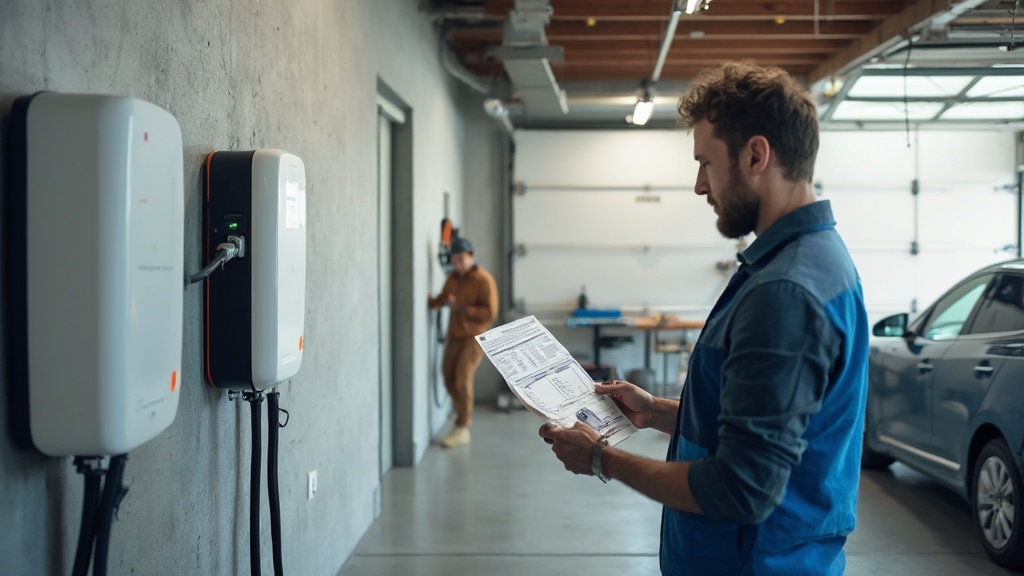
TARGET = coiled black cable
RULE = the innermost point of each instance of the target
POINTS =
(113, 491)
(437, 354)
(87, 532)
(273, 423)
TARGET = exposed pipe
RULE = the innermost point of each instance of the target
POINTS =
(939, 21)
(509, 236)
(666, 43)
(456, 69)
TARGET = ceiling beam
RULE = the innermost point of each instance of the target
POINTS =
(710, 45)
(891, 30)
(565, 31)
(617, 70)
(722, 10)
(695, 60)
(650, 56)
(669, 73)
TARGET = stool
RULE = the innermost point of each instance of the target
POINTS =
(665, 348)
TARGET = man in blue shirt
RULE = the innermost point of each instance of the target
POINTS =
(763, 466)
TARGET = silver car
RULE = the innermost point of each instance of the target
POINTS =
(946, 397)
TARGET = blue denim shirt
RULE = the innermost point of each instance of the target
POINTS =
(772, 412)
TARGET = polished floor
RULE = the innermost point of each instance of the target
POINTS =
(504, 506)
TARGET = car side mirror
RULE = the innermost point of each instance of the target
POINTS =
(893, 326)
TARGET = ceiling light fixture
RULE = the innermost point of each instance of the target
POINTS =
(642, 111)
(694, 6)
(644, 107)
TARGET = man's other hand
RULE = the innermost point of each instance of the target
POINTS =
(572, 446)
(636, 403)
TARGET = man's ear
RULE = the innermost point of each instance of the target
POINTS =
(759, 152)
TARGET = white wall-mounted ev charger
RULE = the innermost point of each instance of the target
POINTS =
(96, 254)
(256, 305)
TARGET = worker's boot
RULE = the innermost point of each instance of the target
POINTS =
(457, 437)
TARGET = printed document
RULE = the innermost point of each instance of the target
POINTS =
(549, 381)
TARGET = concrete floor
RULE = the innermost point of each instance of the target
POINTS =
(505, 506)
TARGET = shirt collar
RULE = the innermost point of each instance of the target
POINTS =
(811, 218)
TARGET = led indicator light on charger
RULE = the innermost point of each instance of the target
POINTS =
(232, 225)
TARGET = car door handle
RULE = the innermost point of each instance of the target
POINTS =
(925, 366)
(982, 370)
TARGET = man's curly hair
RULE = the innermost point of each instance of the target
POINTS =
(743, 100)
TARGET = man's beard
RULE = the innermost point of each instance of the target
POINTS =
(738, 207)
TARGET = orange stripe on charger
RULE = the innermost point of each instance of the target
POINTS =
(206, 282)
(174, 380)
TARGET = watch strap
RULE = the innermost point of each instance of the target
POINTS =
(595, 460)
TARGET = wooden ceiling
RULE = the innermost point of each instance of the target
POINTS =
(606, 40)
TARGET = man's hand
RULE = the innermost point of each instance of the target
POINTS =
(635, 403)
(572, 446)
(455, 306)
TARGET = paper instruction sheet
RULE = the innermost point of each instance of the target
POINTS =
(549, 381)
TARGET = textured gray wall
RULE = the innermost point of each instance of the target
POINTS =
(299, 75)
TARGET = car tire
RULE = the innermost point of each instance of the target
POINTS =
(871, 460)
(995, 487)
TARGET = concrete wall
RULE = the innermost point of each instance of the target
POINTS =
(299, 75)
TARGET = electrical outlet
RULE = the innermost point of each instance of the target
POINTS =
(311, 485)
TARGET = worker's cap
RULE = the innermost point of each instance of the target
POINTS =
(460, 245)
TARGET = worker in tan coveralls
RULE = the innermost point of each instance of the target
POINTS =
(472, 296)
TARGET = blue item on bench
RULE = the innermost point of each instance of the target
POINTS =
(597, 313)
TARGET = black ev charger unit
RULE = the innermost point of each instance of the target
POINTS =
(255, 307)
(255, 215)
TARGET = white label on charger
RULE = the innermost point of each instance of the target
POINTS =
(291, 205)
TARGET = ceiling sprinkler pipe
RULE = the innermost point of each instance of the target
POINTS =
(670, 34)
(942, 19)
(456, 69)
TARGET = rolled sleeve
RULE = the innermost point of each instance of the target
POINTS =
(780, 349)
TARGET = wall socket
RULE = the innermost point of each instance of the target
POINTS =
(311, 485)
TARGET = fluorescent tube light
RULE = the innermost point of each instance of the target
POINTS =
(642, 112)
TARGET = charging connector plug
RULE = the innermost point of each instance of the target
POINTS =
(233, 248)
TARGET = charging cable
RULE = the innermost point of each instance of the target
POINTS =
(273, 424)
(98, 511)
(254, 399)
(91, 469)
(113, 493)
(226, 251)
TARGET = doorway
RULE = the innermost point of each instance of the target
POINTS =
(388, 117)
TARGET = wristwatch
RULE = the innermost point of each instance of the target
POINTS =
(595, 460)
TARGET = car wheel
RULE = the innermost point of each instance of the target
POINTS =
(995, 488)
(871, 460)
